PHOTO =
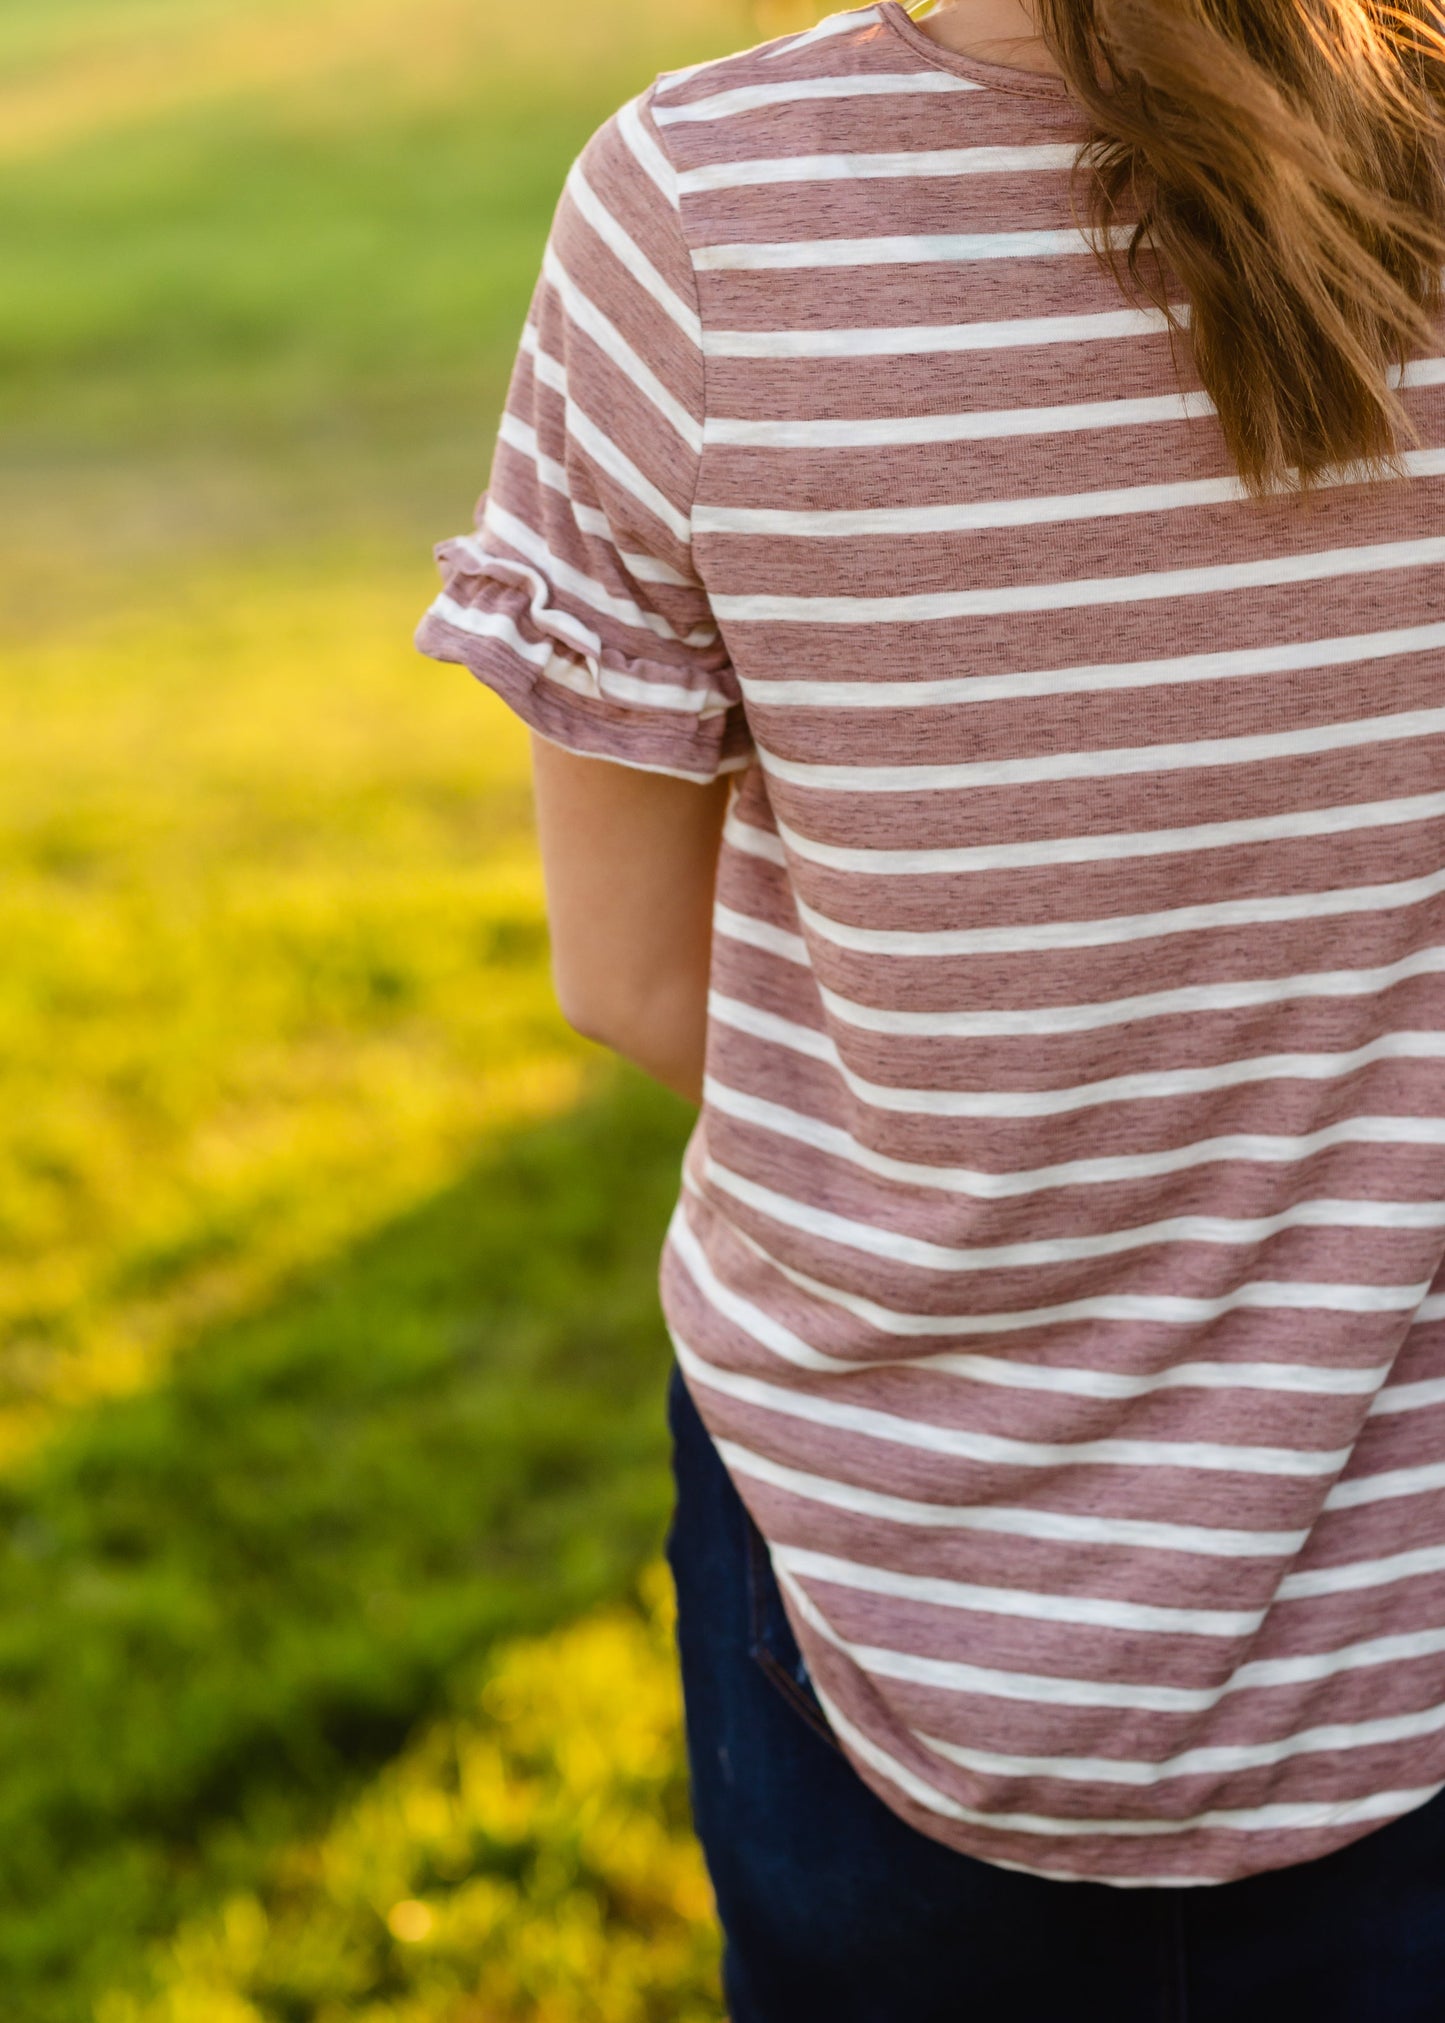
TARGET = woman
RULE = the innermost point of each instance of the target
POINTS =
(974, 484)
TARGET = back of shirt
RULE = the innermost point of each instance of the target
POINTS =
(1056, 1259)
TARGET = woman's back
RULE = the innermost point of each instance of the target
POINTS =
(1054, 1262)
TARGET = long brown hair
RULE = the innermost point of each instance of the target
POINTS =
(1285, 159)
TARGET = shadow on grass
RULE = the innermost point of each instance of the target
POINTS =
(223, 1603)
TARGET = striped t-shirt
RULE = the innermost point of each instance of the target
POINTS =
(1058, 1257)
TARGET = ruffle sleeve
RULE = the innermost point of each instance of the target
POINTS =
(575, 597)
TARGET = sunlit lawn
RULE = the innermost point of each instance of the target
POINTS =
(331, 1363)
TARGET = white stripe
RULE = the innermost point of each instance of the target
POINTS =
(600, 447)
(1035, 1021)
(591, 679)
(910, 249)
(912, 338)
(619, 242)
(759, 97)
(548, 369)
(1206, 1762)
(643, 568)
(1191, 1000)
(1132, 1534)
(707, 769)
(1049, 1689)
(550, 572)
(1030, 1604)
(985, 1185)
(1349, 1578)
(985, 424)
(1086, 591)
(1410, 1397)
(1112, 761)
(761, 1024)
(1101, 679)
(585, 314)
(483, 623)
(760, 1327)
(994, 1450)
(522, 436)
(762, 843)
(1385, 1486)
(670, 80)
(579, 677)
(979, 515)
(609, 458)
(745, 927)
(541, 654)
(636, 692)
(1134, 1309)
(1107, 932)
(1112, 846)
(776, 169)
(831, 24)
(1161, 1084)
(1011, 1373)
(1038, 936)
(647, 154)
(1226, 1232)
(1268, 1818)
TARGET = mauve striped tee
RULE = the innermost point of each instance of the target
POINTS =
(1058, 1256)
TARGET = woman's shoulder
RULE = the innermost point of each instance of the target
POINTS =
(772, 70)
(779, 96)
(735, 120)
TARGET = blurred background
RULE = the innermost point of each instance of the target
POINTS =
(336, 1673)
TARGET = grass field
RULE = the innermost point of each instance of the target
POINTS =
(332, 1456)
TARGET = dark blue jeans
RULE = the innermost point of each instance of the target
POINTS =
(833, 1908)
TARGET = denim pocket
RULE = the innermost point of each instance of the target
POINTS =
(771, 1642)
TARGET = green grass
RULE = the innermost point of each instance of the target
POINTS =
(226, 1597)
(330, 1362)
(528, 1856)
(281, 304)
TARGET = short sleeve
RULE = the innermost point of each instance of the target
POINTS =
(575, 597)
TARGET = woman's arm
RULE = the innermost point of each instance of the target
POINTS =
(630, 860)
